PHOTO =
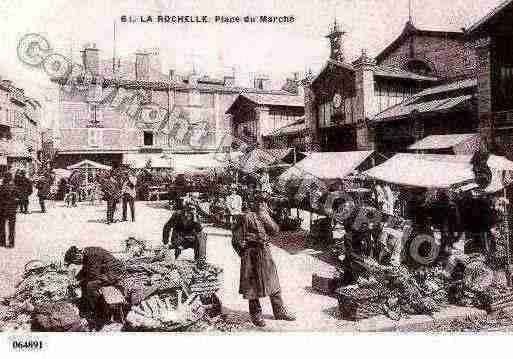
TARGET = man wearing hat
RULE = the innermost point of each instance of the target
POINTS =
(258, 274)
(101, 269)
(187, 233)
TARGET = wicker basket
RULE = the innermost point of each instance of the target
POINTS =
(356, 303)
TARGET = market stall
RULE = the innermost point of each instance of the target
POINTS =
(307, 184)
(177, 295)
(402, 270)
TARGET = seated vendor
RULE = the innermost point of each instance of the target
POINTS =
(187, 233)
(390, 247)
(101, 269)
(357, 241)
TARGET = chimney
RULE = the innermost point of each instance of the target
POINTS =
(142, 66)
(229, 80)
(91, 59)
(301, 88)
(336, 46)
(193, 79)
(262, 82)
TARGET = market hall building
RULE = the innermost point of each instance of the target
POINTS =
(491, 36)
(342, 101)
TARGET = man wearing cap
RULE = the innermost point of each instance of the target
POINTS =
(101, 269)
(258, 274)
(187, 233)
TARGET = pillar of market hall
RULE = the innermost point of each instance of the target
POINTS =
(365, 101)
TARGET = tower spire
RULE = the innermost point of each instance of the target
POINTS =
(336, 48)
(410, 12)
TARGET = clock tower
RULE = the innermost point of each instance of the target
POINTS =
(335, 37)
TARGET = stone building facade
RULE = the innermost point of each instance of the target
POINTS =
(20, 129)
(125, 111)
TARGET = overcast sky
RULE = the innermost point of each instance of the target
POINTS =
(275, 49)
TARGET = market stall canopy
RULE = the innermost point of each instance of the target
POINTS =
(257, 159)
(466, 143)
(436, 171)
(61, 172)
(327, 165)
(89, 164)
(418, 171)
(180, 162)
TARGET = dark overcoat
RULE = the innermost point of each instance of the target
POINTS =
(258, 274)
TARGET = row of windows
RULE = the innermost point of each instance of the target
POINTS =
(391, 93)
(194, 99)
(328, 116)
(325, 113)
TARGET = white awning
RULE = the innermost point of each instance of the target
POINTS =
(88, 164)
(176, 161)
(413, 170)
(327, 165)
(465, 143)
(436, 171)
(61, 172)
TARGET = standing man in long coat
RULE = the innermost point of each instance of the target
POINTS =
(258, 275)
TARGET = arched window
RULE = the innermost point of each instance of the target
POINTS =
(419, 67)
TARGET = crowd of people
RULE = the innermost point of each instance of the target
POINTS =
(14, 198)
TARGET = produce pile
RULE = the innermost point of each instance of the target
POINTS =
(43, 284)
(174, 293)
(398, 292)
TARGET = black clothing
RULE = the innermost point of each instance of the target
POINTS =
(9, 195)
(99, 269)
(100, 264)
(127, 199)
(186, 234)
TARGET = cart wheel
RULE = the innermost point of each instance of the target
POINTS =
(424, 249)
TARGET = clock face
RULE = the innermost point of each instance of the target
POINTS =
(337, 100)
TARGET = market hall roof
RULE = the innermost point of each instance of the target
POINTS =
(266, 99)
(410, 30)
(492, 17)
(293, 128)
(384, 71)
(396, 72)
(445, 97)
